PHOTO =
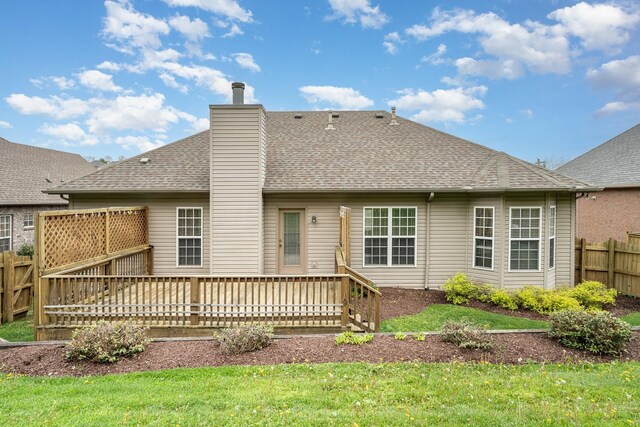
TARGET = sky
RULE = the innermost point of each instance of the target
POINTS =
(534, 78)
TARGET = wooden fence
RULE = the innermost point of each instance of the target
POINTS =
(615, 263)
(16, 285)
(633, 238)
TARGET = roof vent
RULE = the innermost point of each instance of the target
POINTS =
(335, 115)
(330, 124)
(144, 161)
(238, 93)
(393, 122)
(49, 180)
(379, 115)
(297, 116)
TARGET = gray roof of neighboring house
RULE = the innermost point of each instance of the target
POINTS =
(616, 163)
(364, 153)
(25, 171)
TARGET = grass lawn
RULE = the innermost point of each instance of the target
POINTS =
(633, 319)
(19, 330)
(333, 394)
(433, 317)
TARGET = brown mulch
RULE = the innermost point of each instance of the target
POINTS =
(403, 302)
(510, 348)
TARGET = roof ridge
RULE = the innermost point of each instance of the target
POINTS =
(42, 148)
(538, 171)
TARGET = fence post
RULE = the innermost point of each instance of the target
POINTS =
(612, 261)
(195, 300)
(583, 259)
(148, 260)
(9, 285)
(377, 312)
(345, 301)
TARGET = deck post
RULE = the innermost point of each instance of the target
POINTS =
(9, 284)
(376, 312)
(148, 261)
(195, 300)
(344, 320)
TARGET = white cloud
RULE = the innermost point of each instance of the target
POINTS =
(391, 42)
(5, 125)
(527, 112)
(436, 57)
(56, 107)
(505, 69)
(141, 143)
(171, 82)
(194, 30)
(441, 105)
(599, 26)
(109, 66)
(541, 48)
(69, 132)
(622, 76)
(94, 79)
(63, 82)
(129, 28)
(245, 60)
(229, 9)
(332, 96)
(354, 11)
(234, 30)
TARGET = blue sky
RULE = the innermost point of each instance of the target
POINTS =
(548, 79)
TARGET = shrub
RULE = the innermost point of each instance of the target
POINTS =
(107, 342)
(503, 299)
(353, 339)
(466, 335)
(400, 336)
(459, 289)
(598, 332)
(546, 301)
(484, 293)
(26, 250)
(243, 339)
(420, 336)
(529, 297)
(593, 295)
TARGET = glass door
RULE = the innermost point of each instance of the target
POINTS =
(291, 242)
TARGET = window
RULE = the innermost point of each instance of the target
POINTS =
(552, 237)
(28, 221)
(389, 236)
(483, 238)
(190, 237)
(5, 233)
(524, 239)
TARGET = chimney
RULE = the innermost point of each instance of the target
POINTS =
(238, 93)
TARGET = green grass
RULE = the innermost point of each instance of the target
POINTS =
(21, 329)
(434, 316)
(333, 394)
(633, 319)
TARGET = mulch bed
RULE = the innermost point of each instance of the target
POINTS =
(403, 302)
(510, 348)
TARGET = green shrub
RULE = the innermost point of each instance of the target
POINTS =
(484, 293)
(107, 342)
(529, 297)
(26, 250)
(400, 336)
(459, 289)
(243, 339)
(593, 295)
(420, 336)
(546, 301)
(466, 335)
(353, 339)
(503, 299)
(598, 332)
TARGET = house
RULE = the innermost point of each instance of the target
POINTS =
(24, 173)
(260, 193)
(614, 165)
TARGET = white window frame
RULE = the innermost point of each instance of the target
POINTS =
(553, 217)
(10, 237)
(493, 233)
(390, 238)
(33, 221)
(201, 237)
(539, 239)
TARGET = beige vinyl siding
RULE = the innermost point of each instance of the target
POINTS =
(237, 145)
(322, 237)
(162, 224)
(565, 234)
(449, 237)
(481, 274)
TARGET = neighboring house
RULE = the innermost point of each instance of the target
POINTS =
(260, 192)
(26, 171)
(614, 165)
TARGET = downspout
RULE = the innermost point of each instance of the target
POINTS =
(427, 246)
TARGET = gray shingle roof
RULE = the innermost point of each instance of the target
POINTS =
(26, 171)
(616, 163)
(364, 153)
